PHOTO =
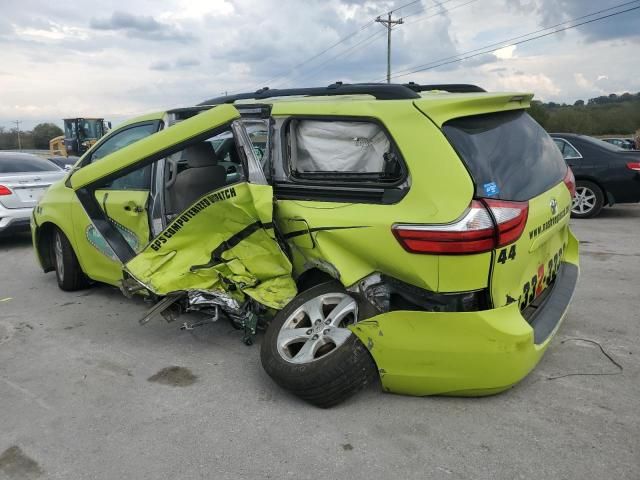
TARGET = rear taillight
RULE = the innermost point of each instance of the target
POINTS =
(634, 166)
(473, 233)
(4, 190)
(570, 182)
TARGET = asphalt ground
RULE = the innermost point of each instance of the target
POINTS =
(85, 394)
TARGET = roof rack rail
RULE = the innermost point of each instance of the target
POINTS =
(446, 87)
(381, 91)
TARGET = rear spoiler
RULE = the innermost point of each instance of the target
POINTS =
(440, 108)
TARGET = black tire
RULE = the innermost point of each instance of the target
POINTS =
(68, 272)
(330, 378)
(589, 200)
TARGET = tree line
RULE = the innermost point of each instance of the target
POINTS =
(37, 138)
(605, 115)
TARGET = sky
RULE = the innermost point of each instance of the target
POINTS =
(117, 59)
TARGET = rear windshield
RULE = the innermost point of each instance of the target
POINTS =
(20, 164)
(601, 143)
(508, 154)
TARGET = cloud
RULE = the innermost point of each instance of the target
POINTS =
(141, 26)
(187, 62)
(180, 63)
(581, 81)
(160, 66)
(118, 62)
(539, 83)
(505, 52)
(477, 61)
(620, 26)
(126, 21)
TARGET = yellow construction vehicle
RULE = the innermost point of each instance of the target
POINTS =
(79, 135)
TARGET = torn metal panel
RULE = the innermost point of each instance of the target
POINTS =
(198, 300)
(224, 245)
(161, 308)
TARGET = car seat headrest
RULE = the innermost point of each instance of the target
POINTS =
(200, 155)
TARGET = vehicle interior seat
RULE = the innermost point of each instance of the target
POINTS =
(201, 175)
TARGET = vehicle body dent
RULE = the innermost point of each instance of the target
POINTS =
(459, 353)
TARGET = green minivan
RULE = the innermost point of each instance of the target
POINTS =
(415, 234)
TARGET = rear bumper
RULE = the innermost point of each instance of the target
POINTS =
(466, 353)
(14, 219)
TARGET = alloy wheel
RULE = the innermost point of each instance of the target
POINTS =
(584, 201)
(57, 248)
(317, 328)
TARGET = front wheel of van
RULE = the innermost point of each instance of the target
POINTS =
(309, 350)
(68, 272)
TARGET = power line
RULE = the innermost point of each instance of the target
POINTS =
(455, 7)
(403, 6)
(501, 42)
(319, 54)
(462, 57)
(348, 37)
(377, 35)
(367, 40)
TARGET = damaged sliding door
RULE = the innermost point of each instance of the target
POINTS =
(219, 247)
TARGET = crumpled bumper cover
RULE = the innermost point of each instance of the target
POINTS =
(466, 353)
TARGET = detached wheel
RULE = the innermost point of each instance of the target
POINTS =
(588, 201)
(309, 350)
(68, 272)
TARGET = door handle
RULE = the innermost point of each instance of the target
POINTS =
(104, 204)
(133, 207)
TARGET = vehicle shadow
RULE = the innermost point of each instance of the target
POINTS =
(620, 211)
(22, 239)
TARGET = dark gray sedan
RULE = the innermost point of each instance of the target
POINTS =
(605, 174)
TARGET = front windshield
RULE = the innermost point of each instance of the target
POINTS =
(70, 128)
(90, 128)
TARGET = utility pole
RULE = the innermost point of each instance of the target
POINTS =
(389, 23)
(18, 122)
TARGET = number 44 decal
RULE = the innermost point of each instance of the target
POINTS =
(503, 256)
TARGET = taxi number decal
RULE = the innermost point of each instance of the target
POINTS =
(540, 281)
(503, 256)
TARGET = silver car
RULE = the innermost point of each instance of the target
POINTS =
(23, 180)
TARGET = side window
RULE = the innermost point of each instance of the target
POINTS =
(568, 150)
(201, 168)
(560, 144)
(136, 180)
(258, 131)
(139, 179)
(122, 139)
(330, 150)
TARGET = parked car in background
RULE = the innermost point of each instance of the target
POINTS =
(624, 143)
(65, 163)
(605, 174)
(416, 236)
(23, 180)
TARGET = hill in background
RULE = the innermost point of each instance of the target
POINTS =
(605, 115)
